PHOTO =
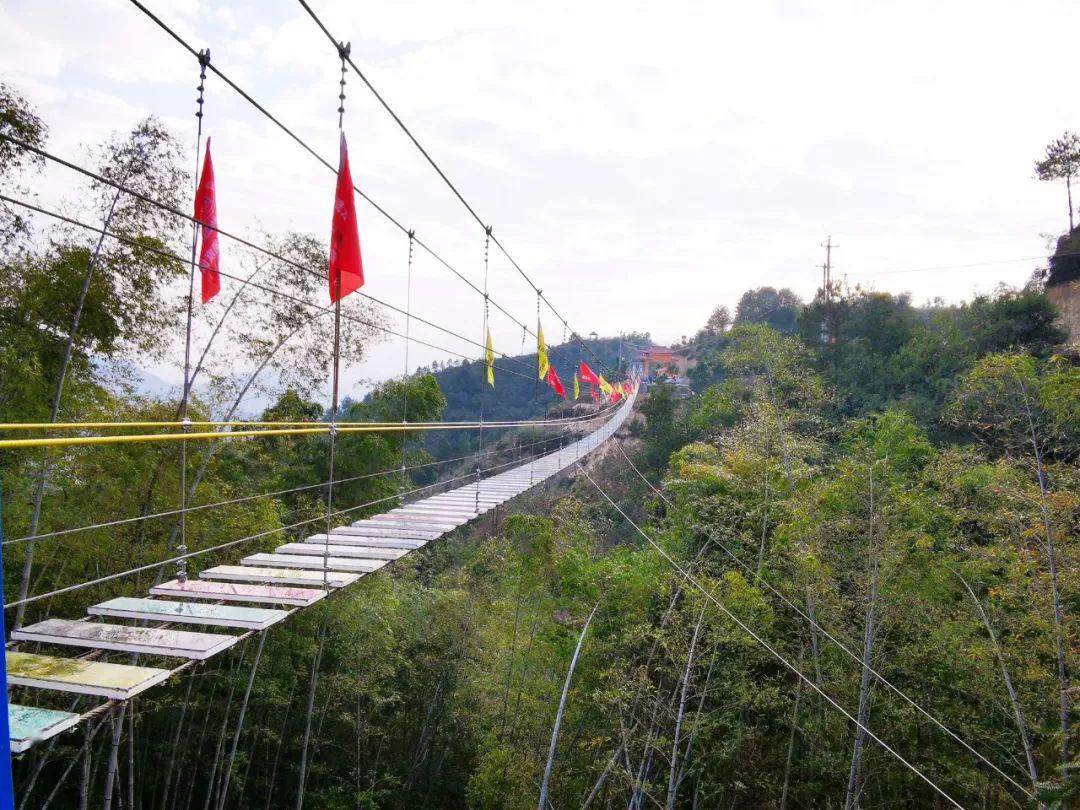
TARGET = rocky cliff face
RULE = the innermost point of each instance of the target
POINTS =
(1063, 282)
(1066, 297)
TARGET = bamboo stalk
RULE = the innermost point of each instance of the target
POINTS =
(562, 708)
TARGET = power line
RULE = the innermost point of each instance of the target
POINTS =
(756, 575)
(791, 667)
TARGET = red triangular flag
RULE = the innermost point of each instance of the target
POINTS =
(555, 382)
(346, 271)
(206, 213)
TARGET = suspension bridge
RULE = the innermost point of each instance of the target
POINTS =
(178, 623)
(223, 598)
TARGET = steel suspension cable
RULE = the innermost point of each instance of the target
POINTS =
(405, 375)
(768, 647)
(854, 656)
(486, 337)
(231, 543)
(238, 239)
(315, 428)
(343, 51)
(427, 155)
(247, 498)
(257, 285)
(200, 552)
(181, 573)
(307, 148)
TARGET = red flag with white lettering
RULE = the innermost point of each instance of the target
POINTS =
(346, 270)
(206, 214)
(555, 382)
(588, 375)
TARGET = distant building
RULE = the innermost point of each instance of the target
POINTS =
(657, 364)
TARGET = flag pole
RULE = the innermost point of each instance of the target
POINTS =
(333, 432)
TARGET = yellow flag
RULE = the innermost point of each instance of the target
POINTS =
(541, 352)
(577, 387)
(490, 361)
(605, 386)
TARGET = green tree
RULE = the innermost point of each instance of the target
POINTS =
(114, 302)
(663, 432)
(718, 322)
(767, 305)
(1061, 162)
(1004, 401)
(17, 120)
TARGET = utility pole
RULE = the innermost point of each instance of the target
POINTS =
(826, 269)
(826, 287)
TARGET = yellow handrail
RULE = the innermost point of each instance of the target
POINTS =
(310, 428)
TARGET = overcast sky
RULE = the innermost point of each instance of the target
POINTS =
(644, 162)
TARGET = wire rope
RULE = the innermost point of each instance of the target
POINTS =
(229, 544)
(310, 150)
(247, 498)
(238, 239)
(768, 647)
(854, 656)
(441, 173)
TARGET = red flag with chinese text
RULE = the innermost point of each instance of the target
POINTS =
(588, 375)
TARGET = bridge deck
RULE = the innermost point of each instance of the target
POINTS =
(295, 575)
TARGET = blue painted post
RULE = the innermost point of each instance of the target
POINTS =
(7, 789)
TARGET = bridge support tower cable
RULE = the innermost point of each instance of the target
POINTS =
(484, 383)
(405, 379)
(182, 548)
